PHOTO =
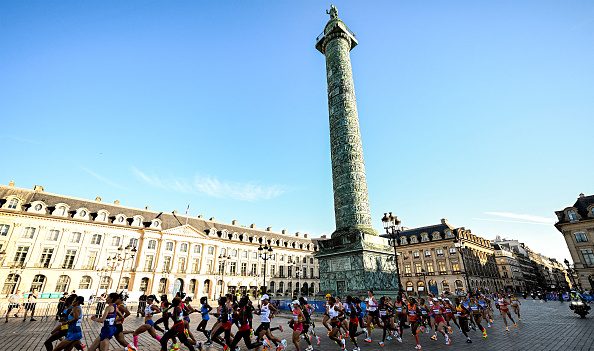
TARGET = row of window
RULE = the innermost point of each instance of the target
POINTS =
(430, 269)
(438, 252)
(572, 215)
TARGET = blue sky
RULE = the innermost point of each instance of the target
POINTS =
(480, 112)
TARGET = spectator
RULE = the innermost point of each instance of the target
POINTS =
(30, 305)
(61, 305)
(141, 305)
(14, 301)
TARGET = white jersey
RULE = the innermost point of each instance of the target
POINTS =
(371, 304)
(265, 314)
(148, 310)
(332, 312)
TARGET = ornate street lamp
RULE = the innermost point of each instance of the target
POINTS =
(394, 229)
(223, 259)
(460, 246)
(571, 272)
(129, 253)
(265, 254)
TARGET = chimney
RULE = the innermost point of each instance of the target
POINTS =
(98, 199)
(323, 236)
(11, 183)
(234, 222)
(305, 235)
(444, 221)
(581, 194)
(297, 234)
(252, 225)
(40, 188)
(146, 207)
(116, 202)
(284, 231)
(268, 229)
(211, 219)
(199, 216)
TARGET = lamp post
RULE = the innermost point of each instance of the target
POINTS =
(460, 246)
(298, 275)
(128, 250)
(571, 272)
(394, 229)
(223, 259)
(265, 254)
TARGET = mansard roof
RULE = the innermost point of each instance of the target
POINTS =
(582, 205)
(168, 220)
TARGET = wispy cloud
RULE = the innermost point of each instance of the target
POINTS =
(511, 217)
(213, 187)
(24, 140)
(103, 179)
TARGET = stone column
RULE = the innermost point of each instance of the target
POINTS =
(351, 204)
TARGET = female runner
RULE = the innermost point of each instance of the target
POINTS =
(515, 303)
(504, 310)
(372, 314)
(438, 315)
(463, 313)
(355, 310)
(108, 319)
(149, 310)
(297, 323)
(178, 328)
(476, 315)
(414, 313)
(334, 313)
(243, 322)
(204, 311)
(73, 322)
(61, 330)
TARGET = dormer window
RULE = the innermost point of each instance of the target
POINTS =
(436, 236)
(120, 219)
(413, 239)
(137, 221)
(102, 216)
(61, 210)
(424, 237)
(572, 216)
(156, 224)
(403, 240)
(13, 204)
(38, 207)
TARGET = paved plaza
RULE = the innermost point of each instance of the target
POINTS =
(544, 326)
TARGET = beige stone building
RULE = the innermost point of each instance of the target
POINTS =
(443, 259)
(56, 243)
(510, 270)
(576, 223)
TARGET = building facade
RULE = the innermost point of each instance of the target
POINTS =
(57, 243)
(431, 261)
(510, 271)
(576, 223)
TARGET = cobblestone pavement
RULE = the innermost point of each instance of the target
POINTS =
(544, 326)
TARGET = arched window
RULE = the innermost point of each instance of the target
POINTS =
(10, 284)
(105, 283)
(572, 216)
(413, 239)
(162, 286)
(272, 286)
(410, 286)
(459, 284)
(85, 282)
(445, 286)
(144, 284)
(102, 217)
(38, 283)
(206, 289)
(403, 240)
(124, 283)
(60, 211)
(281, 287)
(63, 283)
(420, 286)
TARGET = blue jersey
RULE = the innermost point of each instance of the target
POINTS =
(74, 329)
(204, 312)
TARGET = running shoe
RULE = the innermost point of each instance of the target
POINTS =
(357, 349)
(208, 343)
(418, 347)
(368, 340)
(449, 330)
(516, 325)
(83, 346)
(448, 341)
(225, 347)
(388, 338)
(468, 341)
(280, 327)
(309, 348)
(265, 342)
(381, 343)
(433, 337)
(484, 334)
(491, 320)
(399, 338)
(488, 325)
(506, 328)
(366, 333)
(343, 344)
(284, 343)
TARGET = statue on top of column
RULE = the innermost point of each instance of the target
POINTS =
(333, 12)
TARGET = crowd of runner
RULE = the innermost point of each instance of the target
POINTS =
(347, 320)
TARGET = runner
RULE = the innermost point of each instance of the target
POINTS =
(372, 314)
(482, 301)
(425, 318)
(308, 325)
(414, 312)
(515, 303)
(119, 323)
(178, 328)
(334, 312)
(386, 314)
(476, 315)
(108, 319)
(14, 301)
(297, 323)
(266, 311)
(326, 317)
(354, 305)
(73, 323)
(149, 310)
(463, 313)
(30, 305)
(225, 321)
(204, 311)
(449, 314)
(165, 316)
(61, 330)
(243, 322)
(438, 314)
(401, 314)
(504, 310)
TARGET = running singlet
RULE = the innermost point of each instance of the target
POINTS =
(371, 304)
(74, 329)
(148, 311)
(332, 312)
(424, 311)
(503, 305)
(412, 313)
(244, 321)
(399, 308)
(383, 312)
(475, 308)
(461, 312)
(111, 317)
(354, 316)
(265, 314)
(204, 313)
(297, 325)
(438, 313)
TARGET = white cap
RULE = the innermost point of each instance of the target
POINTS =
(295, 302)
(265, 297)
